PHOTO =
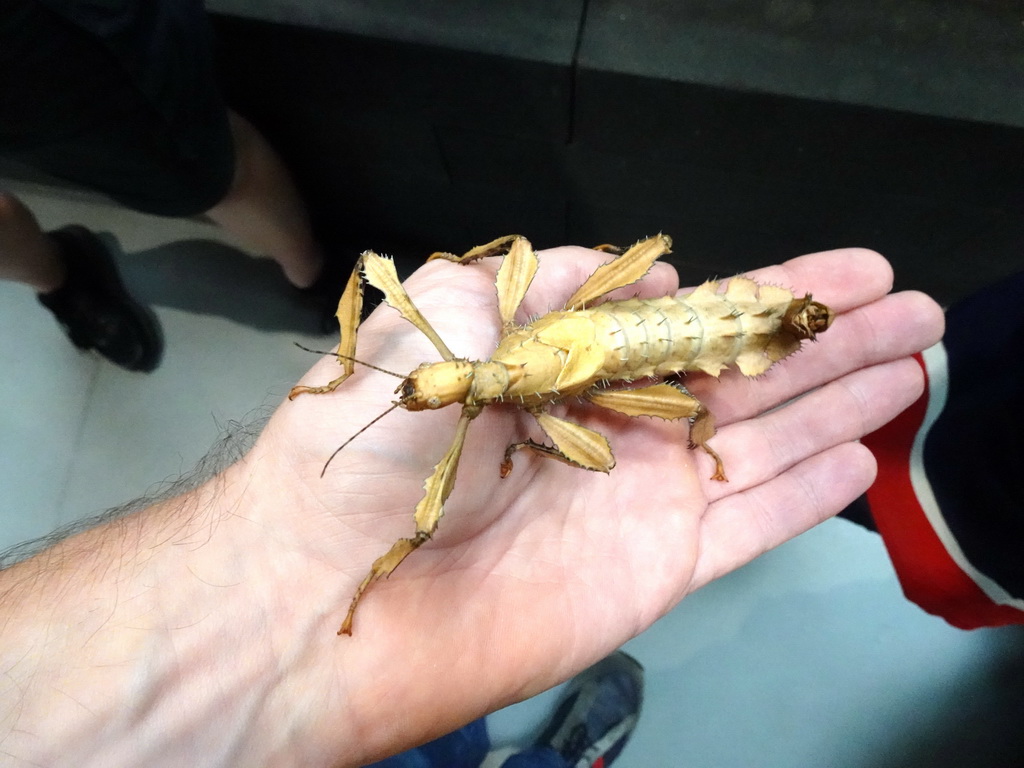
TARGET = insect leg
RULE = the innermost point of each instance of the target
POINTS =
(349, 308)
(665, 401)
(380, 273)
(573, 444)
(547, 451)
(496, 247)
(626, 269)
(438, 488)
(702, 429)
(514, 278)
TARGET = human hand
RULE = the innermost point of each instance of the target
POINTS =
(531, 578)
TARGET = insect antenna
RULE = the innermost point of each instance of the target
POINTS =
(346, 357)
(357, 434)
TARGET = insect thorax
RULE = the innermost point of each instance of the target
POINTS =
(436, 385)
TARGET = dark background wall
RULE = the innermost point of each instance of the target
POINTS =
(750, 130)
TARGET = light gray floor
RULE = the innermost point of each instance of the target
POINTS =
(808, 657)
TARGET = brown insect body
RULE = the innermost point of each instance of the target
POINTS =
(565, 353)
(636, 338)
(579, 352)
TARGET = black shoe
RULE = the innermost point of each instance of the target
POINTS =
(592, 725)
(94, 307)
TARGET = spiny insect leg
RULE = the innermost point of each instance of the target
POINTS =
(573, 444)
(666, 401)
(626, 269)
(381, 274)
(496, 247)
(382, 566)
(547, 451)
(514, 278)
(438, 488)
(663, 400)
(350, 306)
(333, 384)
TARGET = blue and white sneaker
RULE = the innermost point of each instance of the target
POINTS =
(591, 726)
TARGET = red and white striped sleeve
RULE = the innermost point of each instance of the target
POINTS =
(947, 510)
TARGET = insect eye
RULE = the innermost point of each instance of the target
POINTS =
(408, 390)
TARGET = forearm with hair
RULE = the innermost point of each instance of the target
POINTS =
(236, 439)
(161, 637)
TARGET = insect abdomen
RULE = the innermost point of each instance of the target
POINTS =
(702, 331)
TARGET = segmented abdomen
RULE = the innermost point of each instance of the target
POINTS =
(702, 331)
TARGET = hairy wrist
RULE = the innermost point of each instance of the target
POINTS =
(170, 636)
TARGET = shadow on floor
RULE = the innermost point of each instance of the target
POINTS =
(206, 277)
(980, 724)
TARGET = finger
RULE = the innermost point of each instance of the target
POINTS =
(738, 528)
(842, 279)
(756, 450)
(891, 328)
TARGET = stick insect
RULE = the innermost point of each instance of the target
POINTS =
(586, 350)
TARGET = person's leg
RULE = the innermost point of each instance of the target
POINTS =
(75, 278)
(412, 758)
(594, 722)
(27, 255)
(536, 757)
(464, 748)
(141, 119)
(263, 209)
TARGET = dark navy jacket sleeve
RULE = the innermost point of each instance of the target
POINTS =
(949, 499)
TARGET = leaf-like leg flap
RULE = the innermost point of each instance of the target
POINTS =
(438, 488)
(514, 278)
(380, 273)
(626, 269)
(496, 247)
(664, 401)
(577, 445)
(350, 307)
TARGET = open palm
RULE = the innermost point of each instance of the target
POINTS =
(531, 578)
